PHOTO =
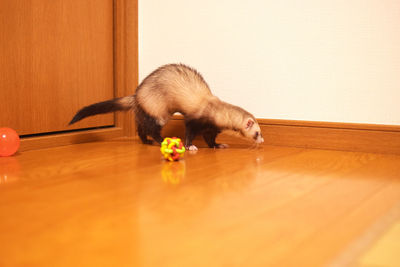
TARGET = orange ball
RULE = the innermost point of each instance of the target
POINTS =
(9, 142)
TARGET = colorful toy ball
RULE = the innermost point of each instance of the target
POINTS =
(172, 149)
(9, 142)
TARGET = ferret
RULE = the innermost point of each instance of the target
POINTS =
(179, 88)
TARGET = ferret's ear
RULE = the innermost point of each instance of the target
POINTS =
(249, 124)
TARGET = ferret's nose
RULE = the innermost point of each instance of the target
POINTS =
(260, 140)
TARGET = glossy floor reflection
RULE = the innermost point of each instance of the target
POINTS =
(118, 203)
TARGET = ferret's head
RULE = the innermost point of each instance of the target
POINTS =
(251, 130)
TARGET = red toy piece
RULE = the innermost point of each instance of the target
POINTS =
(9, 142)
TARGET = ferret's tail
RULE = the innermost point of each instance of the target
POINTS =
(116, 104)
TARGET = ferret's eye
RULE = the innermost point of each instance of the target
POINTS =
(256, 135)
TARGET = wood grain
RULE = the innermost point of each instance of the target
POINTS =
(118, 203)
(55, 57)
(320, 135)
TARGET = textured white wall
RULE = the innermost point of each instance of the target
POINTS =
(315, 60)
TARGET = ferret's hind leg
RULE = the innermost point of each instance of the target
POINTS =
(142, 135)
(147, 126)
(155, 132)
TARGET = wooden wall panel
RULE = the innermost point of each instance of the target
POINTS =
(55, 57)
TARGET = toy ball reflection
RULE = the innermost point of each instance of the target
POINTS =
(9, 170)
(172, 149)
(173, 172)
(9, 142)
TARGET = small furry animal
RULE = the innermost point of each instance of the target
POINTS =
(178, 88)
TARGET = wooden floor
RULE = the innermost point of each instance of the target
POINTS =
(117, 203)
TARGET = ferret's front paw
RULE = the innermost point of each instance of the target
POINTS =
(192, 148)
(221, 146)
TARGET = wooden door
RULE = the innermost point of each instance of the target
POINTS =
(55, 57)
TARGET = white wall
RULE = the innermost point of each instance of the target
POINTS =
(304, 60)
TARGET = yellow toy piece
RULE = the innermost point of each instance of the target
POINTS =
(172, 148)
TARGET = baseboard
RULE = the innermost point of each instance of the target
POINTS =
(62, 139)
(371, 138)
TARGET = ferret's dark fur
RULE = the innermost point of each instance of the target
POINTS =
(178, 88)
